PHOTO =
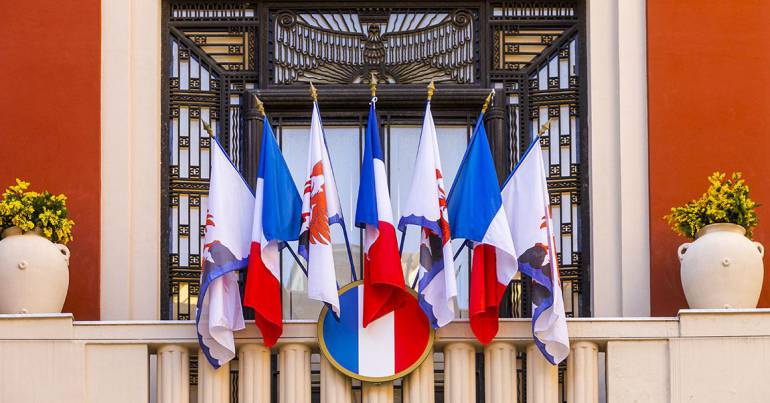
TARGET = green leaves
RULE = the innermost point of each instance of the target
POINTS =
(725, 201)
(30, 210)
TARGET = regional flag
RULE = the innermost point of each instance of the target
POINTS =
(277, 209)
(426, 207)
(384, 289)
(320, 209)
(476, 214)
(525, 197)
(225, 250)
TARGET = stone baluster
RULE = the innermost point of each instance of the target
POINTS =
(254, 374)
(213, 384)
(583, 373)
(377, 392)
(542, 377)
(418, 386)
(173, 374)
(500, 372)
(294, 379)
(335, 386)
(459, 373)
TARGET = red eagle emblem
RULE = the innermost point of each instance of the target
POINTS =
(318, 227)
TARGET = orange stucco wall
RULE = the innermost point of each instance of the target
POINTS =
(49, 108)
(709, 109)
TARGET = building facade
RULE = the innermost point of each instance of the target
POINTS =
(645, 99)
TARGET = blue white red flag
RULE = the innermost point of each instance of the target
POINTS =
(525, 197)
(225, 250)
(277, 210)
(388, 346)
(320, 209)
(426, 207)
(476, 214)
(383, 276)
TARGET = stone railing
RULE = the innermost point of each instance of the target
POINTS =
(700, 356)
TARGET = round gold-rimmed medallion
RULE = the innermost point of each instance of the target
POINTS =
(411, 308)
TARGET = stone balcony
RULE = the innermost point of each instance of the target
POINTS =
(699, 356)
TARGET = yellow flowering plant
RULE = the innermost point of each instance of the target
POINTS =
(30, 210)
(725, 201)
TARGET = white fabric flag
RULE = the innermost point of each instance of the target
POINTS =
(225, 251)
(320, 209)
(526, 202)
(426, 208)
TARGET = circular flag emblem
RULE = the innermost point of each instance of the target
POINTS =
(389, 348)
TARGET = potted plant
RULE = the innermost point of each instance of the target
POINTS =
(34, 273)
(722, 268)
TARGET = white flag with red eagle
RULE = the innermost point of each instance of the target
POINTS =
(426, 208)
(225, 251)
(320, 209)
(526, 202)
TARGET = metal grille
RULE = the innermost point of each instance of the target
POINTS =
(405, 46)
(536, 61)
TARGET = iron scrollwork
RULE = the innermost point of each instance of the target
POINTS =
(401, 46)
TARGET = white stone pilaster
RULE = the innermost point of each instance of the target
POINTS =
(500, 372)
(583, 373)
(294, 379)
(419, 386)
(459, 372)
(378, 392)
(542, 378)
(173, 374)
(335, 386)
(254, 374)
(213, 384)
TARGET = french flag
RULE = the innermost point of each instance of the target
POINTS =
(277, 210)
(383, 276)
(386, 347)
(476, 214)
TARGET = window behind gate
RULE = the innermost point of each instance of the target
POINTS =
(216, 54)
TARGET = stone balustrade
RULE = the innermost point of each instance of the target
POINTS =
(53, 358)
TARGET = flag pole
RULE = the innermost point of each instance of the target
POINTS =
(488, 101)
(296, 258)
(401, 244)
(373, 86)
(544, 128)
(260, 106)
(314, 95)
(313, 92)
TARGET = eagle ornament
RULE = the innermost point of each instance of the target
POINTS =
(401, 47)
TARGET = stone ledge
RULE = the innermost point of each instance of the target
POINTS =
(688, 324)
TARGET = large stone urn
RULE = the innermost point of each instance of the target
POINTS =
(722, 268)
(34, 273)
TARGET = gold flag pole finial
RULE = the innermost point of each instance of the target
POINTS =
(487, 101)
(373, 84)
(207, 127)
(544, 128)
(431, 89)
(260, 106)
(313, 92)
